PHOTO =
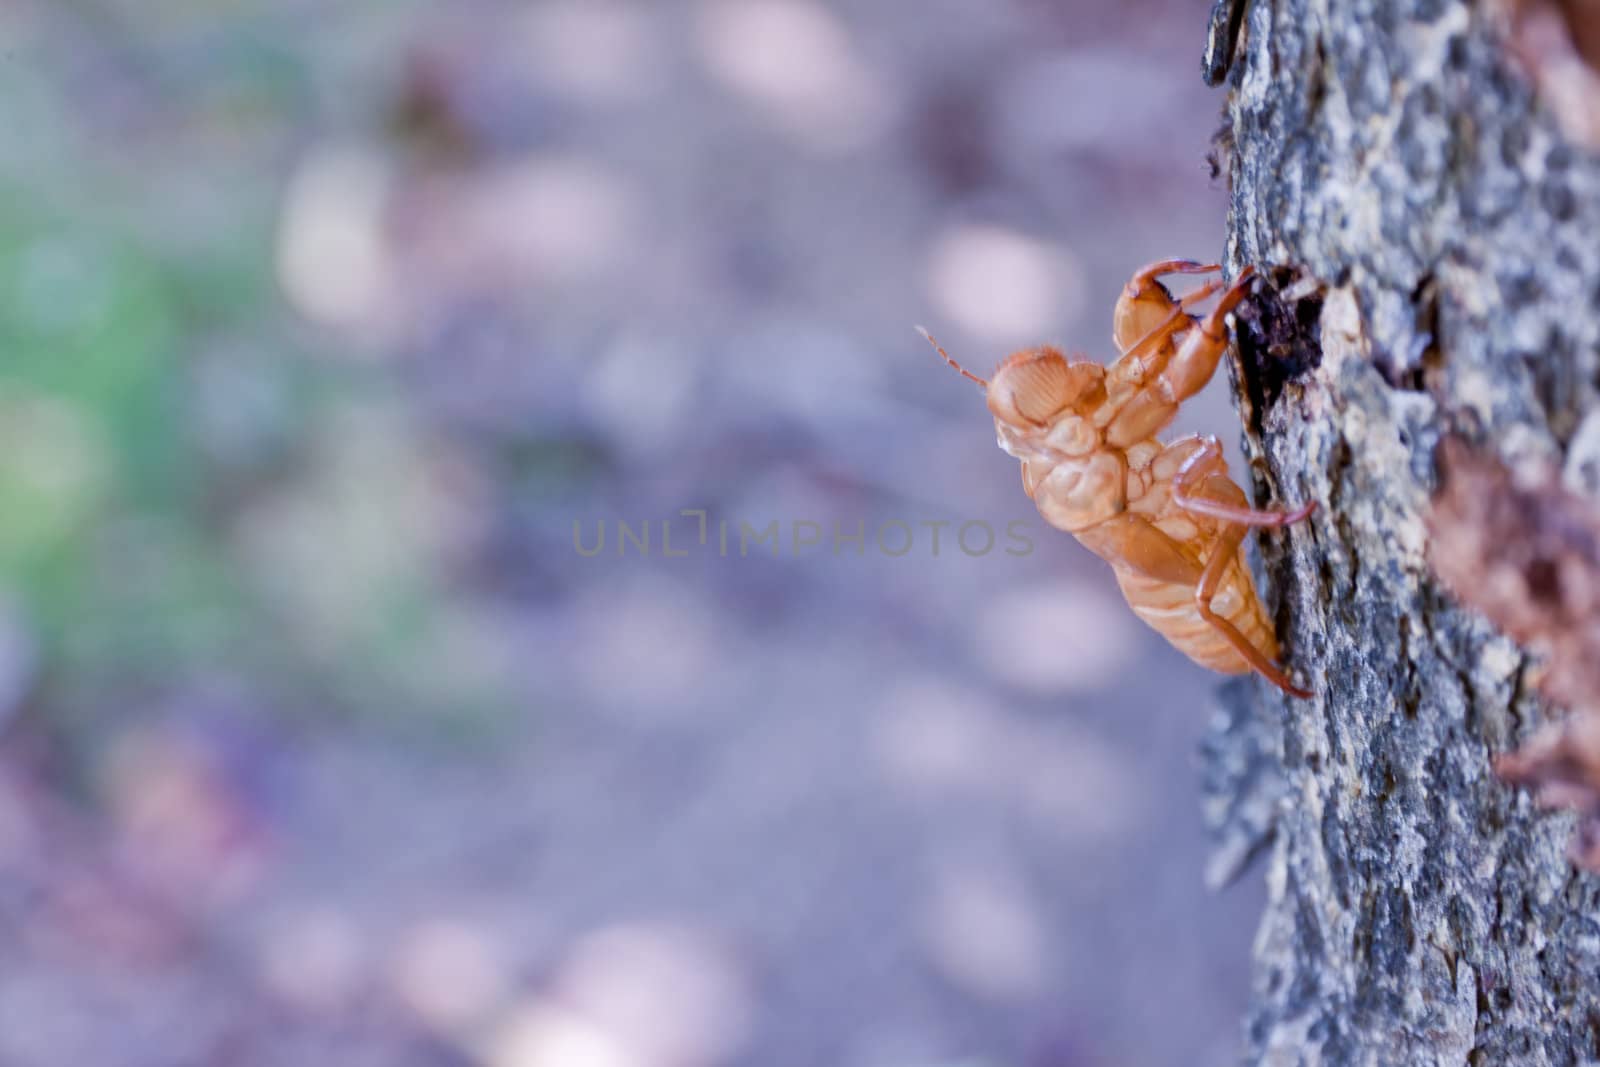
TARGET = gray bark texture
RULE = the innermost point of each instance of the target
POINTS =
(1430, 241)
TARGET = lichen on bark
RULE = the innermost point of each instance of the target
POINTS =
(1390, 162)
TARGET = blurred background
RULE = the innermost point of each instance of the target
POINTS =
(322, 326)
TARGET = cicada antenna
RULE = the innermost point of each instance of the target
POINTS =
(937, 347)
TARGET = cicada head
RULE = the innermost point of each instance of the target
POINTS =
(1034, 387)
(1039, 389)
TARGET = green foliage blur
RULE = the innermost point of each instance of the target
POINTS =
(195, 484)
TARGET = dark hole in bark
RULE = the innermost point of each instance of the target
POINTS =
(1279, 336)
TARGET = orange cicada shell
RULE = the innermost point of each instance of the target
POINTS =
(1166, 517)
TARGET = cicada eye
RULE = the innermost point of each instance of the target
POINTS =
(1035, 384)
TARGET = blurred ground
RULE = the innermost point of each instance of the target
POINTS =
(321, 324)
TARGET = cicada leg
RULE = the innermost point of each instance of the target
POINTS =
(1194, 472)
(1202, 487)
(1225, 549)
(1145, 302)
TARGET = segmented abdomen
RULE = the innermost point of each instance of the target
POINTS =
(1170, 609)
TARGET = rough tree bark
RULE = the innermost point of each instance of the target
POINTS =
(1433, 239)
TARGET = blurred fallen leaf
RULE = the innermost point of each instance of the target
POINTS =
(1526, 553)
(1561, 766)
(1557, 42)
(1583, 23)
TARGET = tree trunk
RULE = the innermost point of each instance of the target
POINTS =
(1432, 240)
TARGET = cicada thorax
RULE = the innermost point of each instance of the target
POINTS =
(1079, 493)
